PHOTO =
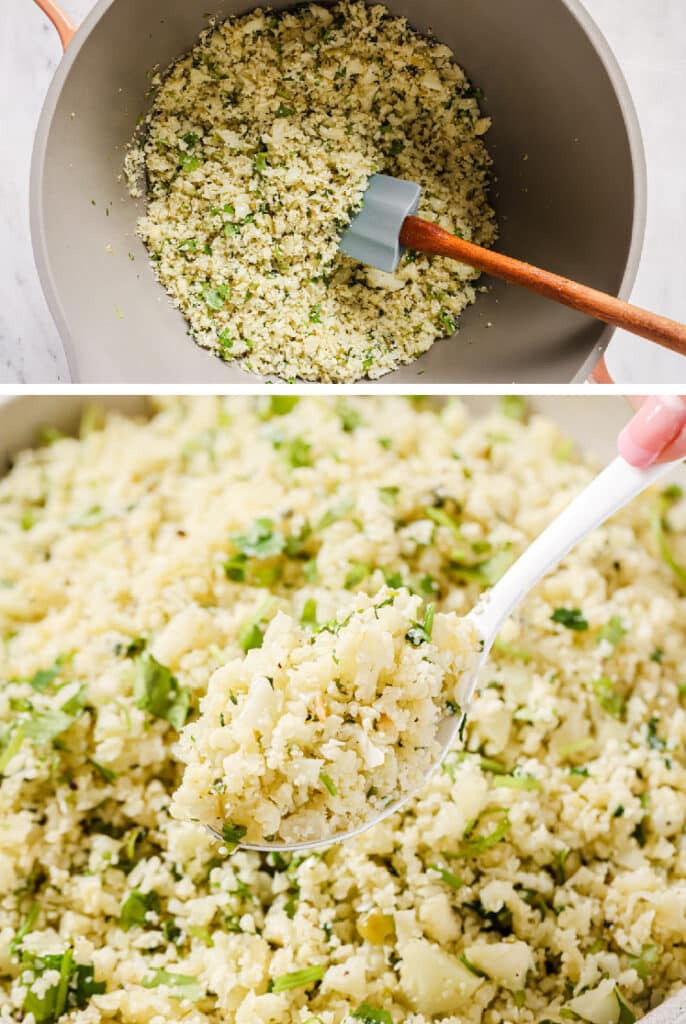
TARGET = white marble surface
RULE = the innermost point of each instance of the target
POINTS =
(649, 39)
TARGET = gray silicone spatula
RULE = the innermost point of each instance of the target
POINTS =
(386, 226)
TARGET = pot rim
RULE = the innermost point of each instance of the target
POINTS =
(576, 8)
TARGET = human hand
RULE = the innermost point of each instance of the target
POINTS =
(657, 433)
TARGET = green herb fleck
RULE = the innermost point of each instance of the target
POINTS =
(183, 986)
(298, 979)
(158, 692)
(570, 618)
(370, 1015)
(328, 782)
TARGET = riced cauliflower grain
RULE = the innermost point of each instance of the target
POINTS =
(540, 874)
(257, 150)
(314, 734)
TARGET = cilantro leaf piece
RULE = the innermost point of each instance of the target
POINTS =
(328, 782)
(358, 571)
(261, 540)
(298, 979)
(182, 986)
(661, 530)
(571, 618)
(454, 881)
(277, 405)
(26, 928)
(309, 613)
(72, 990)
(135, 907)
(233, 833)
(45, 726)
(644, 964)
(613, 631)
(216, 297)
(608, 698)
(420, 633)
(515, 407)
(371, 1015)
(45, 677)
(654, 741)
(158, 692)
(474, 845)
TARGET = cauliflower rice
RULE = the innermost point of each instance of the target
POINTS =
(321, 728)
(258, 149)
(541, 876)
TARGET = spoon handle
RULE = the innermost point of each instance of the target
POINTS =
(614, 488)
(426, 237)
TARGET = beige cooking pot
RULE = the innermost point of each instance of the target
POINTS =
(570, 189)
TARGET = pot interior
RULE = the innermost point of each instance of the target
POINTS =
(568, 190)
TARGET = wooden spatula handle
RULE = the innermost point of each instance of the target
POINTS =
(426, 237)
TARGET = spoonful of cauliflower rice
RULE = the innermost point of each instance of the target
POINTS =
(318, 734)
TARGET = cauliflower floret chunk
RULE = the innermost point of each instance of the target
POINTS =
(433, 981)
(505, 962)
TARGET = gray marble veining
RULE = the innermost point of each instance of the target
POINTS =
(648, 38)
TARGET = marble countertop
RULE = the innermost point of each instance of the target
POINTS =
(649, 40)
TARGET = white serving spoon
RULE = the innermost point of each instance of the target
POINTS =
(617, 485)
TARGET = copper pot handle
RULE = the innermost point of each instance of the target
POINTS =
(601, 374)
(66, 28)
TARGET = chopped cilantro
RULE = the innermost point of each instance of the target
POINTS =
(129, 650)
(260, 541)
(328, 782)
(106, 774)
(216, 297)
(43, 678)
(608, 698)
(476, 844)
(309, 613)
(45, 726)
(298, 979)
(297, 452)
(570, 618)
(661, 530)
(232, 833)
(72, 989)
(260, 163)
(525, 782)
(626, 1014)
(276, 405)
(613, 631)
(389, 494)
(26, 928)
(420, 633)
(472, 968)
(135, 908)
(252, 634)
(454, 881)
(158, 692)
(349, 416)
(645, 962)
(183, 986)
(515, 407)
(188, 245)
(371, 1015)
(654, 741)
(485, 573)
(358, 571)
